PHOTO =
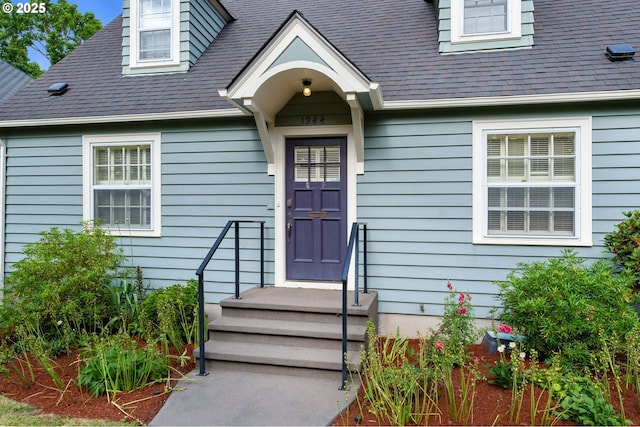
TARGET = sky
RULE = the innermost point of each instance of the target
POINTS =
(104, 10)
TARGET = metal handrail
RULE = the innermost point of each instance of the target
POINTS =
(354, 242)
(205, 262)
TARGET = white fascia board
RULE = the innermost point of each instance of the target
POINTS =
(204, 114)
(619, 95)
(259, 71)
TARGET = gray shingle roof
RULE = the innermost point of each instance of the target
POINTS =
(394, 42)
(11, 80)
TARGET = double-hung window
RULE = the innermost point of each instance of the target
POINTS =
(155, 32)
(532, 182)
(482, 20)
(122, 182)
(485, 16)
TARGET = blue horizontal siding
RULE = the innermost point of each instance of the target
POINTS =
(416, 197)
(204, 24)
(43, 188)
(210, 174)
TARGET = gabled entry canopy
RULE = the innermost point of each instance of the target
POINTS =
(297, 52)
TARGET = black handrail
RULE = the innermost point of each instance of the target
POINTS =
(205, 262)
(354, 243)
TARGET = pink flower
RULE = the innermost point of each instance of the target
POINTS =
(505, 329)
(462, 310)
(439, 346)
(450, 286)
(461, 298)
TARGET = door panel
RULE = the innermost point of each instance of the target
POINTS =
(316, 208)
(330, 245)
(302, 251)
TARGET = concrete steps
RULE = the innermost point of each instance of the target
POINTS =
(290, 327)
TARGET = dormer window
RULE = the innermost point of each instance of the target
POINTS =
(485, 16)
(154, 30)
(155, 33)
(485, 20)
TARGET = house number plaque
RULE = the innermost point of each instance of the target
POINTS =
(317, 214)
(312, 120)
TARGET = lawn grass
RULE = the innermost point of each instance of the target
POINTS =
(20, 414)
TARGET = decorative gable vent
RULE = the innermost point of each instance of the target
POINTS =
(161, 36)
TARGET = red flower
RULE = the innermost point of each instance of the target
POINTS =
(450, 286)
(504, 328)
(462, 310)
(439, 346)
(461, 298)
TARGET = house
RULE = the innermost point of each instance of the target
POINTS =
(11, 80)
(468, 135)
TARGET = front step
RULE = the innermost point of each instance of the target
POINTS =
(290, 327)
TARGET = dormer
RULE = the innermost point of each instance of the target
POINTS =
(168, 36)
(476, 25)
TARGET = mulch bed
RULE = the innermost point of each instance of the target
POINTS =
(139, 406)
(490, 406)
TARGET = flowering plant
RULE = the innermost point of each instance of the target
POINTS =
(458, 329)
(505, 329)
(501, 372)
(456, 333)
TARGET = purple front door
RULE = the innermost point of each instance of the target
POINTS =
(316, 200)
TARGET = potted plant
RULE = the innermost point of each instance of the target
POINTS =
(502, 336)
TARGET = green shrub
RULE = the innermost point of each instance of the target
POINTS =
(580, 400)
(60, 288)
(170, 314)
(118, 364)
(624, 243)
(562, 305)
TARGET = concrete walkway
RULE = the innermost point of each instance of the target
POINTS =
(234, 395)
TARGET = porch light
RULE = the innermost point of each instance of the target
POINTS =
(306, 87)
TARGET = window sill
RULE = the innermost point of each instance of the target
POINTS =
(123, 232)
(154, 64)
(482, 38)
(529, 241)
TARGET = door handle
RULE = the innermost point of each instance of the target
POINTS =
(289, 227)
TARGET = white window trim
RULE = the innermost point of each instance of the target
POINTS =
(583, 226)
(91, 141)
(514, 24)
(134, 37)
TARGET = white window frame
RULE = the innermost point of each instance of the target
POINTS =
(514, 24)
(583, 175)
(134, 37)
(89, 142)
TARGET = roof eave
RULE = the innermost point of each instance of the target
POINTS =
(125, 118)
(602, 96)
(553, 98)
